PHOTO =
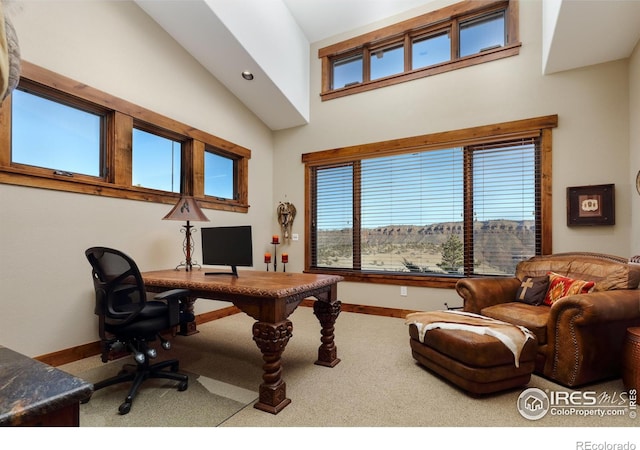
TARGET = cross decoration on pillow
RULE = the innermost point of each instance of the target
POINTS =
(532, 290)
(526, 284)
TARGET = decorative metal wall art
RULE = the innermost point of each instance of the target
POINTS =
(286, 214)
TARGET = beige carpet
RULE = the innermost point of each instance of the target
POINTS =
(207, 403)
(376, 384)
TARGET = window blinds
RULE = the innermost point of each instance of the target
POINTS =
(505, 205)
(468, 209)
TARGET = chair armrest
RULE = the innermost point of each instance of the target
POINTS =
(173, 293)
(599, 307)
(586, 335)
(479, 293)
(173, 297)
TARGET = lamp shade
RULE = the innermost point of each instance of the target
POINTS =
(186, 209)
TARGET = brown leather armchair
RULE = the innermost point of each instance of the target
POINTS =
(580, 337)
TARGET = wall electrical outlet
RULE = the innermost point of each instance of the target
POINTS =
(403, 291)
(294, 237)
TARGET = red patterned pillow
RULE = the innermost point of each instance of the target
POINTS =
(561, 286)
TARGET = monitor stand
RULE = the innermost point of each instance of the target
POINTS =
(234, 272)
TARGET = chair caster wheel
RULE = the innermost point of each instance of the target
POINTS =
(124, 408)
(183, 386)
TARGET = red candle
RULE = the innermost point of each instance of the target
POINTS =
(267, 258)
(285, 258)
(275, 239)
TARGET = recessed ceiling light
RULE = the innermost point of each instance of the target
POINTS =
(247, 75)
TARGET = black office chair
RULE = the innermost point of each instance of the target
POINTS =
(128, 322)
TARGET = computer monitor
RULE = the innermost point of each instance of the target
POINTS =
(227, 246)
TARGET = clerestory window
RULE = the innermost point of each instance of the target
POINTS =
(454, 37)
(69, 138)
(219, 175)
(56, 133)
(156, 161)
(482, 34)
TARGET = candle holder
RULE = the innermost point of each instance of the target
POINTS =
(275, 243)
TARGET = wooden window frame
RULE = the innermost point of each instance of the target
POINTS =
(62, 98)
(541, 126)
(414, 37)
(121, 118)
(445, 18)
(393, 44)
(154, 130)
(237, 171)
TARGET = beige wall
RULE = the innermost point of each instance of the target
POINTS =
(46, 288)
(590, 145)
(634, 147)
(47, 293)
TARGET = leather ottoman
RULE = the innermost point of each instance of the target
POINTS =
(479, 364)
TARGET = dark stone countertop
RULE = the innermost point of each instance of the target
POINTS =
(29, 388)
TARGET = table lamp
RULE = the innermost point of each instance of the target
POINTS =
(187, 209)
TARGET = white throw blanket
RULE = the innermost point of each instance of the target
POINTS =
(514, 337)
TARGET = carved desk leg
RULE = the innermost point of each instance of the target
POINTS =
(272, 339)
(327, 313)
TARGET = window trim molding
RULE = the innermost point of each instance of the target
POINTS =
(122, 116)
(538, 126)
(406, 31)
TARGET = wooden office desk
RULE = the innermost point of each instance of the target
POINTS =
(268, 297)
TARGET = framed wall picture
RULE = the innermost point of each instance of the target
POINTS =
(591, 205)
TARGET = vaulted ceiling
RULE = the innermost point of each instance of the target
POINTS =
(271, 39)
